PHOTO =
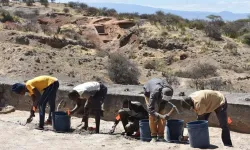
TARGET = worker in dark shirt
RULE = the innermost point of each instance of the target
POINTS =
(157, 95)
(130, 114)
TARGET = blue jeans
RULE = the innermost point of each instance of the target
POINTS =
(49, 95)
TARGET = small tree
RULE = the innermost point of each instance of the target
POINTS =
(121, 70)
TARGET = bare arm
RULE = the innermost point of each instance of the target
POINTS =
(36, 97)
(76, 108)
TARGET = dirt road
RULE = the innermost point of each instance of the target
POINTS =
(16, 136)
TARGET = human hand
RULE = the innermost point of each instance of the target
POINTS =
(29, 120)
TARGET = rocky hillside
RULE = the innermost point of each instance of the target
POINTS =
(75, 46)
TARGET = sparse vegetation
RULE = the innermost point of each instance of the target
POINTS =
(44, 2)
(29, 2)
(66, 10)
(213, 30)
(246, 39)
(151, 64)
(199, 71)
(121, 70)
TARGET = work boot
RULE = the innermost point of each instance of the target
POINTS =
(153, 140)
(161, 139)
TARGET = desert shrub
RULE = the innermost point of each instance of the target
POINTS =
(47, 29)
(73, 4)
(246, 39)
(199, 84)
(231, 29)
(215, 83)
(44, 3)
(92, 11)
(128, 15)
(29, 2)
(232, 48)
(121, 70)
(108, 12)
(83, 5)
(197, 24)
(66, 10)
(171, 78)
(31, 27)
(200, 70)
(72, 35)
(151, 64)
(213, 31)
(36, 12)
(6, 16)
(5, 2)
(20, 13)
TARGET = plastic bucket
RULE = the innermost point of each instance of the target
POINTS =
(61, 121)
(174, 129)
(198, 134)
(145, 134)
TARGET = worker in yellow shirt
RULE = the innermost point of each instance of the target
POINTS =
(42, 90)
(203, 103)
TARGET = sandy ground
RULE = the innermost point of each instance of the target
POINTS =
(16, 136)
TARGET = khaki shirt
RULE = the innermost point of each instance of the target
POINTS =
(206, 101)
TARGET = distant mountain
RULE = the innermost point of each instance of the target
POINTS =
(185, 14)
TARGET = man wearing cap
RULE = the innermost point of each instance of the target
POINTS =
(91, 95)
(157, 94)
(42, 90)
(203, 103)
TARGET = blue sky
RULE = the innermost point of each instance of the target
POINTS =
(237, 6)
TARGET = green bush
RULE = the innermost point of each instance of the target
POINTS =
(246, 39)
(121, 70)
(197, 24)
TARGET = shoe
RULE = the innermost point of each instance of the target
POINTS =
(48, 122)
(161, 139)
(154, 140)
(39, 128)
(137, 134)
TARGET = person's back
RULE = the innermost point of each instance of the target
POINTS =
(206, 101)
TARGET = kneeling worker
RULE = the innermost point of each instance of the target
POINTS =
(92, 96)
(46, 84)
(130, 114)
(157, 95)
(203, 103)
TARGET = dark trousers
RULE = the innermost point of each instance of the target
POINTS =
(49, 95)
(221, 114)
(93, 105)
(134, 121)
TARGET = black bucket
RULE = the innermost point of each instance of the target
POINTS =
(61, 121)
